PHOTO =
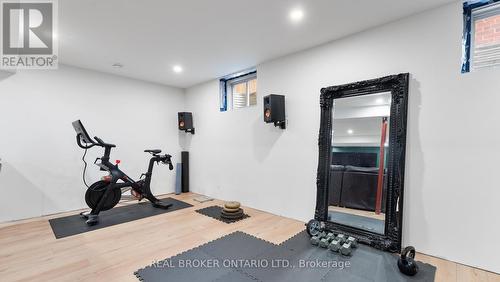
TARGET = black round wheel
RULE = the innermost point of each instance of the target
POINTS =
(313, 227)
(96, 191)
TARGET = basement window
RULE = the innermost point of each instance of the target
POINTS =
(238, 91)
(481, 41)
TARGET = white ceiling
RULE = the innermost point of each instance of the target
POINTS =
(357, 121)
(359, 126)
(209, 39)
(370, 100)
(373, 105)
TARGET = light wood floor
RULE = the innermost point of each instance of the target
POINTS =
(369, 214)
(30, 252)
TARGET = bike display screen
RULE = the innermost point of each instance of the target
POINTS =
(78, 126)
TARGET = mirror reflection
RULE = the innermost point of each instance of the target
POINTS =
(357, 186)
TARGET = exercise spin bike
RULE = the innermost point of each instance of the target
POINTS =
(106, 193)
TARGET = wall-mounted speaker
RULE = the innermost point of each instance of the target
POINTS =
(274, 110)
(185, 122)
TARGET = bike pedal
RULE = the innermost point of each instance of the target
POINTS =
(92, 220)
(84, 214)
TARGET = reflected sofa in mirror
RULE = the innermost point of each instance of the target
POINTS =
(361, 162)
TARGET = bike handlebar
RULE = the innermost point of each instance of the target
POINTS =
(102, 143)
(79, 142)
(166, 159)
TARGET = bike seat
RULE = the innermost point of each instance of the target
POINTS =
(154, 152)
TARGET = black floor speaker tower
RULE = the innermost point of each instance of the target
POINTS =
(185, 171)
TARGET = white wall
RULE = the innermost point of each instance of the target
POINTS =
(42, 164)
(453, 148)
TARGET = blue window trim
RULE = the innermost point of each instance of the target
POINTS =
(466, 44)
(223, 95)
(223, 86)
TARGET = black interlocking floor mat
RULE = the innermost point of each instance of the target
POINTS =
(175, 269)
(215, 212)
(74, 224)
(237, 246)
(242, 257)
(235, 276)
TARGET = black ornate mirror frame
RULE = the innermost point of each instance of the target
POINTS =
(398, 86)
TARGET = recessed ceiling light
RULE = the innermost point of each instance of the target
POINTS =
(117, 65)
(379, 101)
(177, 69)
(350, 131)
(296, 15)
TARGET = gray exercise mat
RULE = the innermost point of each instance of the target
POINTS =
(366, 263)
(224, 251)
(235, 276)
(75, 224)
(175, 269)
(284, 265)
(235, 253)
(237, 246)
(360, 222)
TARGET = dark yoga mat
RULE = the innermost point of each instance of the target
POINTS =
(361, 222)
(74, 224)
(242, 257)
(215, 212)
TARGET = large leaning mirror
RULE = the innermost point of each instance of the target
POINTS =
(361, 164)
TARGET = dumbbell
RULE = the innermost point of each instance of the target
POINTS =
(342, 238)
(353, 241)
(325, 241)
(315, 240)
(346, 249)
(330, 236)
(334, 245)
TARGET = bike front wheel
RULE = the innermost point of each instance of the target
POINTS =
(95, 193)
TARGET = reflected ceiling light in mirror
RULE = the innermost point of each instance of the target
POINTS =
(177, 69)
(296, 15)
(379, 101)
(350, 131)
